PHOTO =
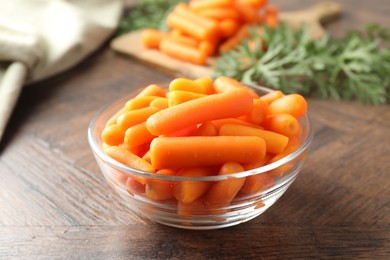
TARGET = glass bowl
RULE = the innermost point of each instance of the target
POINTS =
(272, 181)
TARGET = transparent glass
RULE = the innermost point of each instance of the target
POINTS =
(129, 182)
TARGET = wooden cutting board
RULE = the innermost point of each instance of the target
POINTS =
(130, 44)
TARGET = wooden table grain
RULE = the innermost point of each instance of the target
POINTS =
(55, 204)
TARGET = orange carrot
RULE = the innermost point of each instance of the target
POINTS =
(113, 135)
(146, 156)
(253, 3)
(178, 97)
(210, 4)
(183, 10)
(293, 104)
(251, 166)
(206, 129)
(139, 102)
(186, 131)
(257, 115)
(187, 85)
(220, 13)
(123, 156)
(160, 103)
(134, 186)
(183, 52)
(152, 38)
(138, 135)
(257, 183)
(272, 96)
(189, 191)
(135, 117)
(223, 192)
(275, 142)
(139, 150)
(224, 83)
(183, 39)
(209, 47)
(235, 39)
(189, 27)
(193, 151)
(271, 21)
(220, 122)
(248, 13)
(195, 207)
(160, 189)
(228, 27)
(281, 170)
(232, 103)
(207, 84)
(152, 90)
(284, 124)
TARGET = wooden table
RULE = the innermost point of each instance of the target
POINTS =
(54, 202)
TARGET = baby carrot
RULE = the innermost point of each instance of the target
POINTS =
(183, 52)
(189, 27)
(135, 117)
(287, 166)
(275, 142)
(134, 185)
(207, 84)
(139, 150)
(220, 13)
(284, 124)
(137, 135)
(183, 10)
(183, 39)
(251, 166)
(224, 83)
(272, 96)
(160, 189)
(151, 38)
(146, 156)
(258, 114)
(220, 122)
(113, 135)
(223, 192)
(232, 103)
(257, 183)
(193, 151)
(228, 27)
(235, 39)
(160, 103)
(123, 156)
(208, 46)
(178, 97)
(152, 90)
(139, 102)
(253, 3)
(187, 85)
(206, 129)
(248, 13)
(293, 104)
(187, 210)
(186, 131)
(189, 191)
(210, 4)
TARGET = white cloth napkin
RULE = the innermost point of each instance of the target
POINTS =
(40, 38)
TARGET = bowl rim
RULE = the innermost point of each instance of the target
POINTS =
(98, 151)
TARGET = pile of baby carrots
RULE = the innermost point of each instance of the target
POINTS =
(204, 28)
(201, 128)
